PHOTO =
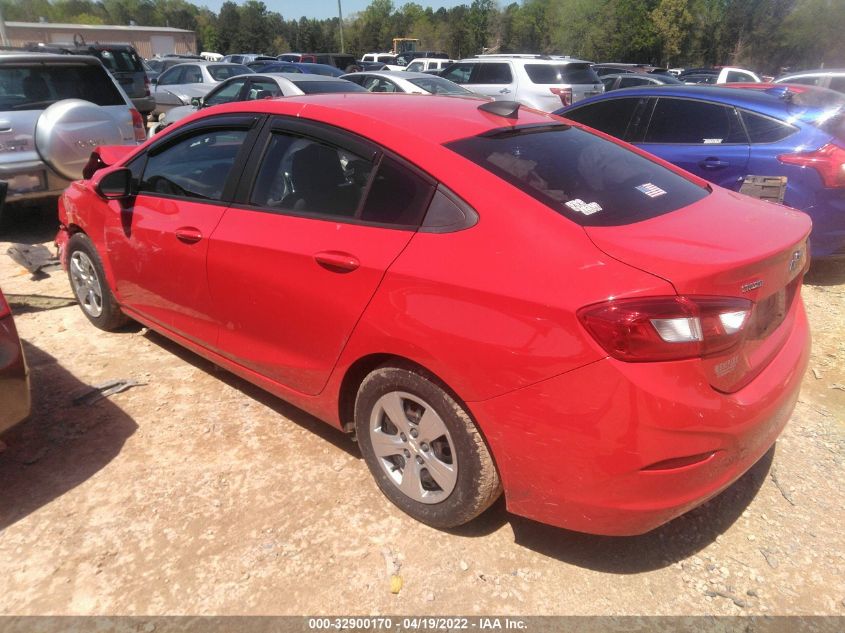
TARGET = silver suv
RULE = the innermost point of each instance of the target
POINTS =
(538, 81)
(55, 109)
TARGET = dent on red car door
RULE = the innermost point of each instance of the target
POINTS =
(289, 287)
(159, 264)
(158, 244)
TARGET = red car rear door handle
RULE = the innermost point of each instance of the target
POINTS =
(337, 261)
(188, 234)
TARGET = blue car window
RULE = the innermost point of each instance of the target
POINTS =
(611, 116)
(762, 129)
(690, 122)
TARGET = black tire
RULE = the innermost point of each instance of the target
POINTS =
(476, 484)
(88, 282)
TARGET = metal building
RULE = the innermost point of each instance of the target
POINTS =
(149, 41)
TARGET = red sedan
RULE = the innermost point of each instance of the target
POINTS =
(490, 298)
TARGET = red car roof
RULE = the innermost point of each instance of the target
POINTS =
(382, 117)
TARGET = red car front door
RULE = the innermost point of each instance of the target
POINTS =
(158, 244)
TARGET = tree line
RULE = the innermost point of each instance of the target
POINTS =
(766, 35)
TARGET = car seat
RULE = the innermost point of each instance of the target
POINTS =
(318, 183)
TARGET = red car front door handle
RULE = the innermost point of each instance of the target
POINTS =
(188, 234)
(337, 261)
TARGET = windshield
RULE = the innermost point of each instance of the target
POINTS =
(121, 61)
(321, 87)
(224, 71)
(591, 181)
(439, 86)
(35, 88)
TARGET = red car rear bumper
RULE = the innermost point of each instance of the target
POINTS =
(620, 448)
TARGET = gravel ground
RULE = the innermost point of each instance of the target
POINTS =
(197, 493)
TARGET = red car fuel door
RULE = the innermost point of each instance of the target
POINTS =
(158, 241)
(292, 268)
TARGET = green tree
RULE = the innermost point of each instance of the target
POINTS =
(376, 34)
(671, 20)
(208, 37)
(26, 10)
(811, 35)
(480, 14)
(253, 33)
(228, 25)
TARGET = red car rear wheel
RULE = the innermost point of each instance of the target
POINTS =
(423, 450)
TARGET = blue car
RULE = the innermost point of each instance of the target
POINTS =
(726, 134)
(319, 69)
(297, 67)
(275, 66)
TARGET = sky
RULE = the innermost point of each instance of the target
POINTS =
(322, 9)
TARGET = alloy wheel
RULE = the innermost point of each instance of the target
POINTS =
(86, 284)
(413, 446)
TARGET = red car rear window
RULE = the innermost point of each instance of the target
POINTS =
(591, 181)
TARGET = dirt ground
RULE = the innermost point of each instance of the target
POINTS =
(197, 493)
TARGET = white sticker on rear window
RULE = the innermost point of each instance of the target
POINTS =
(586, 208)
(651, 190)
(712, 141)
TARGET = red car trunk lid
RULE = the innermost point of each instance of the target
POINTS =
(725, 245)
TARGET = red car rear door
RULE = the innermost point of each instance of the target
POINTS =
(158, 243)
(294, 263)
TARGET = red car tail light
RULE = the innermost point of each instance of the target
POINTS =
(146, 85)
(829, 161)
(5, 310)
(667, 328)
(565, 95)
(138, 126)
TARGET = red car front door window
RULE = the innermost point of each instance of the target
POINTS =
(158, 245)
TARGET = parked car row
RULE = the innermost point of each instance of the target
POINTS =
(249, 87)
(452, 335)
